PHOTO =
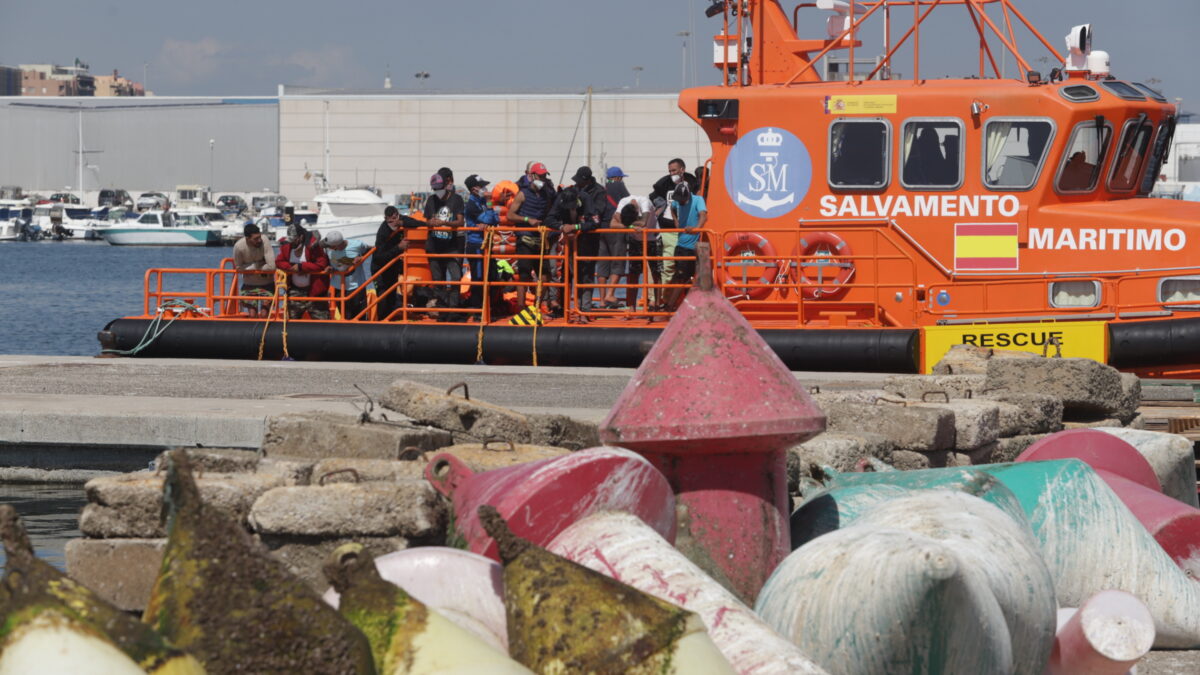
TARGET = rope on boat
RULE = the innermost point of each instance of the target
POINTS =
(156, 327)
(537, 298)
(280, 288)
(483, 288)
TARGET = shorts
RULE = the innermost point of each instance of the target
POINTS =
(654, 249)
(257, 292)
(612, 245)
(684, 269)
(317, 309)
(526, 267)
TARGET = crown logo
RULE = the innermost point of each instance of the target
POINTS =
(770, 137)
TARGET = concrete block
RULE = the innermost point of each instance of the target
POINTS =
(915, 387)
(321, 435)
(350, 470)
(452, 412)
(304, 556)
(129, 505)
(563, 432)
(485, 457)
(907, 460)
(410, 508)
(870, 396)
(1007, 449)
(1095, 423)
(972, 360)
(1131, 397)
(293, 470)
(216, 460)
(841, 451)
(1168, 392)
(1171, 456)
(1085, 386)
(121, 571)
(917, 428)
(1027, 413)
(976, 422)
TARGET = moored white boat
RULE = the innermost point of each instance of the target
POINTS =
(158, 228)
(355, 213)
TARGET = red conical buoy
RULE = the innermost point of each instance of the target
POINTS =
(715, 410)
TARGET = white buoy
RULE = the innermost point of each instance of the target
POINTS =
(870, 600)
(1170, 455)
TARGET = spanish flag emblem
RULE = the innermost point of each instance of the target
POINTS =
(985, 246)
(529, 316)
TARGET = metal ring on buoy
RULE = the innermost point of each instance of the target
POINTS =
(826, 265)
(745, 250)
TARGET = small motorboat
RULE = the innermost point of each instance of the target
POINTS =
(164, 228)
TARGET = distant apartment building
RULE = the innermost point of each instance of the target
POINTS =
(115, 85)
(10, 81)
(53, 80)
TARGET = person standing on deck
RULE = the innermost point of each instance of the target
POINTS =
(391, 241)
(639, 215)
(479, 215)
(444, 209)
(302, 256)
(676, 175)
(529, 209)
(255, 259)
(690, 214)
(348, 258)
(613, 244)
(597, 214)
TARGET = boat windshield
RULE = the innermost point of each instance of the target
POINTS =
(1085, 154)
(1127, 169)
(1162, 144)
(189, 220)
(1015, 151)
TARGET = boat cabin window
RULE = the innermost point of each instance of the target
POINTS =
(1080, 170)
(148, 219)
(1127, 169)
(1166, 131)
(930, 156)
(1075, 294)
(1079, 93)
(1151, 92)
(858, 154)
(1179, 289)
(1123, 89)
(1015, 151)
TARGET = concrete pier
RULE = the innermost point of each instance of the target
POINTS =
(61, 413)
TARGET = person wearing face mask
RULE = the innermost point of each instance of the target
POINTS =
(597, 213)
(690, 214)
(444, 209)
(391, 241)
(303, 258)
(527, 210)
(676, 175)
(479, 215)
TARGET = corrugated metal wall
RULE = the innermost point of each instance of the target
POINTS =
(396, 142)
(143, 144)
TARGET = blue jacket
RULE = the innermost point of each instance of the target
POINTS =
(478, 215)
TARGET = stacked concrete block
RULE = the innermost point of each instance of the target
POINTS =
(321, 435)
(475, 420)
(1087, 388)
(919, 429)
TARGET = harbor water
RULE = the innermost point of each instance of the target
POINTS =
(54, 297)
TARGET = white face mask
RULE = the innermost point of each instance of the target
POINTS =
(480, 192)
(675, 178)
(440, 193)
(538, 184)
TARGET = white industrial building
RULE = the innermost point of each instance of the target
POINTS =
(393, 141)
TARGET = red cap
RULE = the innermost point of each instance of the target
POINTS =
(539, 169)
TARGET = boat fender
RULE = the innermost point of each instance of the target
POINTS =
(822, 250)
(740, 246)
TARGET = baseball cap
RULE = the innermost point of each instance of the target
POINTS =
(333, 239)
(474, 181)
(584, 173)
(615, 172)
(539, 169)
(436, 182)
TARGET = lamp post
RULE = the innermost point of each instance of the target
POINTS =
(683, 77)
(421, 77)
(145, 78)
(212, 142)
(637, 76)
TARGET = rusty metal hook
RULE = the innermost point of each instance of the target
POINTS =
(1057, 342)
(814, 389)
(352, 472)
(902, 404)
(925, 396)
(463, 386)
(411, 453)
(511, 446)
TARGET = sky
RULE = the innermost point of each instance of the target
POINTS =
(249, 47)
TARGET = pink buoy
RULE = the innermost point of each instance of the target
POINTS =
(715, 409)
(540, 499)
(1107, 636)
(475, 599)
(1173, 524)
(1101, 451)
